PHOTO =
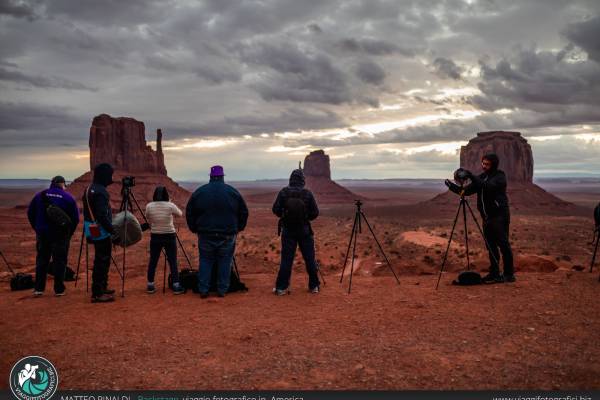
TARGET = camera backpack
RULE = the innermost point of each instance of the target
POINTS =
(189, 280)
(294, 214)
(18, 281)
(468, 278)
(57, 218)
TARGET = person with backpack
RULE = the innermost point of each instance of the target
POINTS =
(216, 212)
(97, 215)
(492, 203)
(159, 213)
(296, 207)
(54, 216)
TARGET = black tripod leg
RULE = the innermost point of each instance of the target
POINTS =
(466, 237)
(380, 248)
(448, 247)
(595, 252)
(353, 256)
(321, 274)
(116, 266)
(356, 216)
(87, 269)
(487, 245)
(79, 259)
(124, 239)
(165, 275)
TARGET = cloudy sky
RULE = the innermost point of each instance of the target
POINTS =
(387, 88)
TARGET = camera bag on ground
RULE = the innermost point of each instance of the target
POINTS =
(121, 223)
(69, 273)
(188, 278)
(59, 221)
(191, 282)
(468, 278)
(19, 281)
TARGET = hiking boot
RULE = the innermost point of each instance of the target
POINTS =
(37, 293)
(108, 291)
(150, 289)
(220, 294)
(315, 290)
(510, 278)
(203, 295)
(59, 294)
(103, 298)
(178, 289)
(281, 292)
(493, 278)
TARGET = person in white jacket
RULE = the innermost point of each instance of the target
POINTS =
(159, 214)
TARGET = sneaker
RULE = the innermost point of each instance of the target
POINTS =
(178, 289)
(492, 278)
(203, 295)
(108, 291)
(281, 292)
(103, 298)
(59, 294)
(37, 293)
(150, 288)
(315, 290)
(510, 278)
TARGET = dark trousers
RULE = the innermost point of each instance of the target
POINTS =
(496, 231)
(215, 250)
(159, 241)
(53, 247)
(289, 241)
(102, 254)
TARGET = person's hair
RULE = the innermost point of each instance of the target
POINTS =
(160, 194)
(493, 158)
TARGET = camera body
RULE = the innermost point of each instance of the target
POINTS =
(462, 177)
(128, 181)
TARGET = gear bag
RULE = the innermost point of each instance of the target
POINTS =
(468, 278)
(294, 213)
(57, 218)
(18, 281)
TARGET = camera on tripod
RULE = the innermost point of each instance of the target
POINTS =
(128, 181)
(462, 177)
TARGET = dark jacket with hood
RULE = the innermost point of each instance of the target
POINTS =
(216, 208)
(490, 187)
(36, 213)
(296, 187)
(99, 199)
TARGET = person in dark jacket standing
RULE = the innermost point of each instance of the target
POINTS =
(216, 212)
(296, 207)
(492, 203)
(51, 241)
(97, 215)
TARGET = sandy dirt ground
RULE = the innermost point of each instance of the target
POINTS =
(540, 332)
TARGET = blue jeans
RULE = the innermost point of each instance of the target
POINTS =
(289, 241)
(158, 241)
(215, 250)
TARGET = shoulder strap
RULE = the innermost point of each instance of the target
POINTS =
(45, 199)
(87, 203)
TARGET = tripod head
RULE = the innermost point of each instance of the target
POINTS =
(358, 204)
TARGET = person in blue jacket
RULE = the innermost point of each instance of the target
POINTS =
(216, 212)
(51, 241)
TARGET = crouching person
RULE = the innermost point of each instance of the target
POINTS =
(160, 213)
(296, 207)
(216, 212)
(53, 215)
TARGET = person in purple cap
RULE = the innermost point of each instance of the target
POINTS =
(54, 216)
(216, 212)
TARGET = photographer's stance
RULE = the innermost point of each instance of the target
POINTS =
(492, 204)
(296, 207)
(97, 216)
(53, 228)
(216, 212)
(159, 213)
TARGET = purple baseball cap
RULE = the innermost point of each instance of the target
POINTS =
(216, 170)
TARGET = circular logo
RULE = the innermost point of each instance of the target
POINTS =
(33, 378)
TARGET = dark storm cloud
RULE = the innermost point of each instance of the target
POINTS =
(374, 47)
(42, 81)
(17, 9)
(586, 35)
(370, 72)
(446, 68)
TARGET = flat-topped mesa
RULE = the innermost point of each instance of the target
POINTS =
(317, 172)
(516, 158)
(316, 164)
(121, 142)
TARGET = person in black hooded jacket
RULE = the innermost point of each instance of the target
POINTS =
(492, 203)
(96, 209)
(296, 207)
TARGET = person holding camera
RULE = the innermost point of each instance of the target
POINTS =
(159, 213)
(296, 207)
(216, 212)
(54, 216)
(97, 216)
(492, 203)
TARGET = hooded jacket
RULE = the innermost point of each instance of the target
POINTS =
(296, 184)
(99, 199)
(216, 208)
(36, 213)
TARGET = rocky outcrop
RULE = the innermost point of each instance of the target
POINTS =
(316, 164)
(121, 142)
(317, 171)
(516, 158)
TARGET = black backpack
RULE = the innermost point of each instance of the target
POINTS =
(294, 209)
(468, 278)
(189, 280)
(59, 221)
(18, 281)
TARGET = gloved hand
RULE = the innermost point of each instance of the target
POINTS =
(145, 226)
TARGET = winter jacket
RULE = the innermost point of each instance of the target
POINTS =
(99, 199)
(36, 213)
(296, 185)
(490, 187)
(216, 208)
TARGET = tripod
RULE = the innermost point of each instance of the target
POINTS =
(597, 239)
(463, 205)
(87, 267)
(356, 229)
